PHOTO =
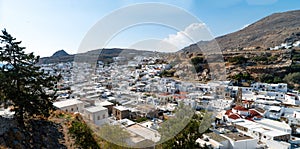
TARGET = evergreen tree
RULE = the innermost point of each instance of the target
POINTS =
(22, 83)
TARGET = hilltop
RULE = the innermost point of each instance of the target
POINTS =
(105, 55)
(249, 53)
(267, 32)
(60, 53)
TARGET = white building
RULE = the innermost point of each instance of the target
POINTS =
(275, 112)
(228, 141)
(297, 114)
(291, 99)
(296, 44)
(261, 132)
(280, 87)
(280, 126)
(72, 105)
(97, 114)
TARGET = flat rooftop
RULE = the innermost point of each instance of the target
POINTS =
(248, 124)
(66, 103)
(216, 137)
(237, 136)
(94, 109)
(104, 103)
(144, 132)
(274, 133)
(121, 108)
(273, 123)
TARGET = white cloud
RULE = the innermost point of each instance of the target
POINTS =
(193, 33)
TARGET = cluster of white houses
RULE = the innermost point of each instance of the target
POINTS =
(261, 115)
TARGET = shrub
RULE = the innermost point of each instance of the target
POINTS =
(237, 59)
(260, 59)
(167, 73)
(267, 78)
(197, 60)
(242, 76)
(292, 78)
(82, 134)
(295, 68)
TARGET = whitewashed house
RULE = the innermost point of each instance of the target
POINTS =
(297, 114)
(72, 105)
(261, 132)
(275, 112)
(97, 114)
(291, 99)
(280, 87)
(276, 125)
(228, 141)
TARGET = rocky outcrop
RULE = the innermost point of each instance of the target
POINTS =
(37, 134)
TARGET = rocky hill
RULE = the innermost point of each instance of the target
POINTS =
(267, 32)
(105, 55)
(61, 130)
(57, 57)
(60, 53)
(249, 54)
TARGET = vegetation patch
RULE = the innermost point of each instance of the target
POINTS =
(237, 60)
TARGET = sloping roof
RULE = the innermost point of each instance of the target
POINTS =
(228, 112)
(253, 112)
(234, 116)
(240, 108)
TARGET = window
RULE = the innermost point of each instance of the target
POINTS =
(98, 117)
(72, 109)
(66, 110)
(103, 116)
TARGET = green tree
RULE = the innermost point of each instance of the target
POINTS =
(277, 79)
(192, 127)
(197, 60)
(82, 133)
(22, 82)
(242, 76)
(267, 78)
(293, 79)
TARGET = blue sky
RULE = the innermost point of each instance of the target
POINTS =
(50, 25)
